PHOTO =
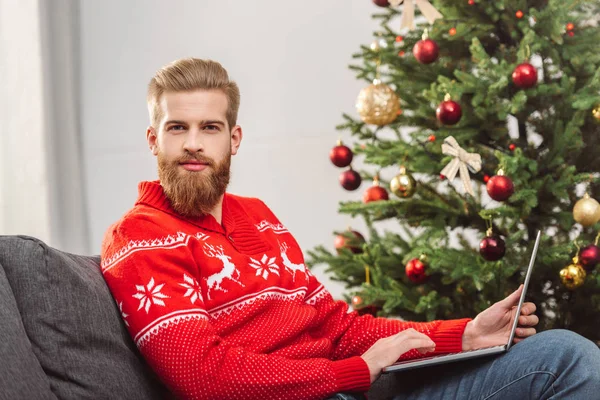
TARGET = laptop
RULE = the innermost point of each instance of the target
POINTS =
(466, 355)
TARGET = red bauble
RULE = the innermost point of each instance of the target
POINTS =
(350, 179)
(350, 240)
(492, 248)
(341, 156)
(500, 187)
(415, 270)
(426, 51)
(589, 256)
(381, 3)
(525, 76)
(448, 112)
(375, 193)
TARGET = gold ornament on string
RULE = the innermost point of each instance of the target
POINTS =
(463, 161)
(408, 13)
(586, 211)
(403, 185)
(378, 104)
(596, 113)
(573, 275)
(378, 44)
(357, 300)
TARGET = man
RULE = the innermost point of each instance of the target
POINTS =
(215, 293)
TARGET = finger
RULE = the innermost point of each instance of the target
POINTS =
(411, 333)
(530, 320)
(418, 343)
(512, 298)
(528, 308)
(525, 332)
(398, 335)
(425, 350)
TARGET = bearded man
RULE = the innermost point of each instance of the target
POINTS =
(215, 293)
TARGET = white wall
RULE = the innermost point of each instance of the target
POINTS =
(24, 194)
(290, 60)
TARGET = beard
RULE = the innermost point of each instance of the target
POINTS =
(194, 193)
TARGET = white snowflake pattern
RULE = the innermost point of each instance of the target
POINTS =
(193, 289)
(123, 315)
(264, 266)
(150, 294)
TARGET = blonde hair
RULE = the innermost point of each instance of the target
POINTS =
(189, 74)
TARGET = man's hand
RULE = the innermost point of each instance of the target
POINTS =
(492, 326)
(388, 350)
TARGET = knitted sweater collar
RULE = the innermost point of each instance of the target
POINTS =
(236, 224)
(151, 193)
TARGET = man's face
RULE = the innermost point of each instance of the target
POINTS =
(194, 144)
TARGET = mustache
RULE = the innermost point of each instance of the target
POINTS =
(196, 157)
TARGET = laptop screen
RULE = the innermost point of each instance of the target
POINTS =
(525, 285)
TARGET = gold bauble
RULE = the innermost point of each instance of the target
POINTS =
(596, 113)
(586, 211)
(572, 276)
(403, 185)
(378, 104)
(379, 44)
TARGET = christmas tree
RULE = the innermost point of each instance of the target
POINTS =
(481, 119)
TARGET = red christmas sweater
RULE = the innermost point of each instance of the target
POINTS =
(230, 311)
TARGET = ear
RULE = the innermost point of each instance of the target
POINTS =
(236, 139)
(152, 139)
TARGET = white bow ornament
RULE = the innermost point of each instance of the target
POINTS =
(463, 161)
(408, 13)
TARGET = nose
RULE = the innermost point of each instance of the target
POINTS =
(193, 141)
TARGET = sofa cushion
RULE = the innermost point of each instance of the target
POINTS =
(21, 375)
(73, 324)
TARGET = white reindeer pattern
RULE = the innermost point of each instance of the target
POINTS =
(228, 271)
(292, 267)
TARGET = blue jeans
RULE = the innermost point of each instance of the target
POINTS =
(555, 364)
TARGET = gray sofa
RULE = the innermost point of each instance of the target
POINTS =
(61, 335)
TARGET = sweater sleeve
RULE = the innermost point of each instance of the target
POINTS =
(155, 284)
(354, 334)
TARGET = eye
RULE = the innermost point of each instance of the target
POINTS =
(176, 128)
(211, 127)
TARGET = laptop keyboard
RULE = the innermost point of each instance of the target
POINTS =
(447, 354)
